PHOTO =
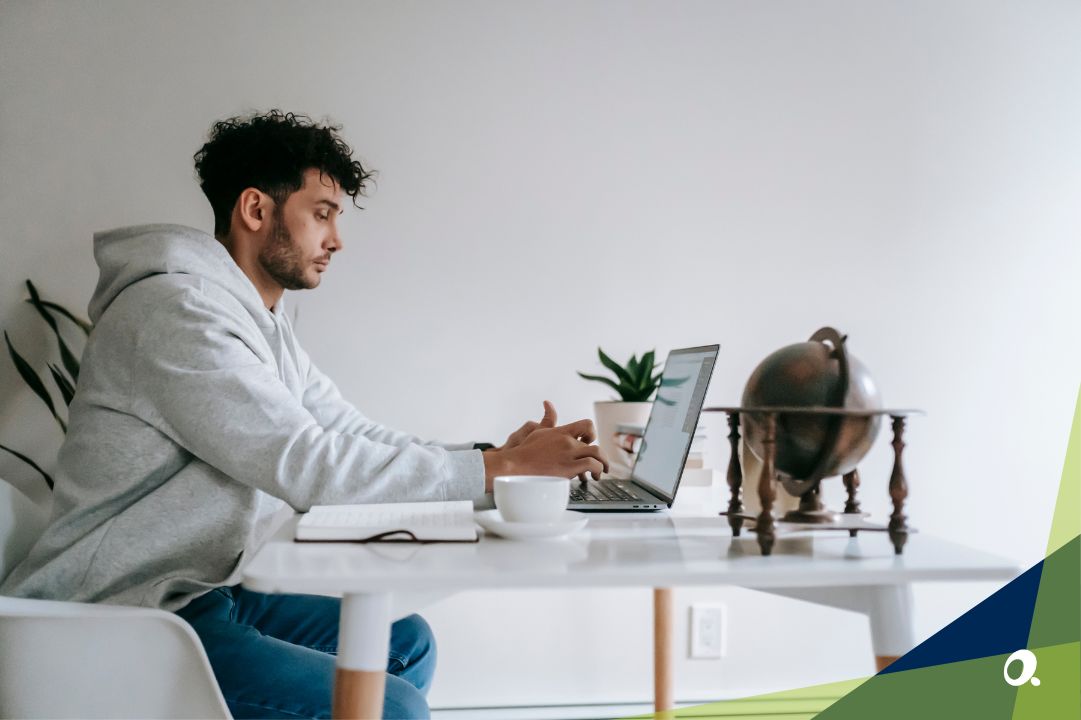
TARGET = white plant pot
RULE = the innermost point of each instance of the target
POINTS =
(609, 415)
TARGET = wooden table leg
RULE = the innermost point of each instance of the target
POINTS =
(765, 528)
(662, 652)
(735, 477)
(882, 661)
(898, 527)
(363, 644)
(852, 505)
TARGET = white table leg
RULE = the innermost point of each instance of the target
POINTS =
(363, 644)
(889, 608)
(891, 622)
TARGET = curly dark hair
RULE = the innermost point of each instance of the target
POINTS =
(271, 152)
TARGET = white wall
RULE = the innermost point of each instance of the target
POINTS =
(558, 175)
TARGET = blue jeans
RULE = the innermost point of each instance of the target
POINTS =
(273, 655)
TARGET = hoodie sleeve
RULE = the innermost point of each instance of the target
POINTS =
(332, 411)
(199, 378)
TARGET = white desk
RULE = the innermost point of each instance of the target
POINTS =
(377, 581)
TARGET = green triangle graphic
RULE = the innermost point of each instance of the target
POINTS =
(1066, 522)
(966, 689)
(1058, 695)
(1056, 618)
(797, 704)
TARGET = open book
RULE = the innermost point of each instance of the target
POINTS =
(390, 522)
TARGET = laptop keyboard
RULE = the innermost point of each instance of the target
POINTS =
(600, 491)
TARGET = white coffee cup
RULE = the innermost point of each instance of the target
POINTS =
(531, 498)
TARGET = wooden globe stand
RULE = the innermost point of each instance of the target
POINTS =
(811, 515)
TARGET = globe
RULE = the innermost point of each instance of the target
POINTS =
(819, 373)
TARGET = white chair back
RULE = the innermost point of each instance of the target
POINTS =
(62, 659)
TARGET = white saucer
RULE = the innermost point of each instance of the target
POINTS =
(493, 522)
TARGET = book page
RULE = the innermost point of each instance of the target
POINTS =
(451, 520)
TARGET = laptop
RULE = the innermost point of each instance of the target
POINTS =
(665, 445)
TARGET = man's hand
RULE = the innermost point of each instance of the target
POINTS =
(518, 436)
(563, 451)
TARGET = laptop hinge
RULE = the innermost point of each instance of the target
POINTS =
(649, 492)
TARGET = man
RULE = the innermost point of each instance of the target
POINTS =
(198, 417)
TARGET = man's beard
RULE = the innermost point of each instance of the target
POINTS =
(282, 260)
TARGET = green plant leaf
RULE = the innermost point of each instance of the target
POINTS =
(644, 383)
(71, 364)
(67, 390)
(633, 368)
(648, 386)
(31, 463)
(612, 365)
(640, 372)
(635, 395)
(598, 378)
(647, 364)
(84, 325)
(655, 381)
(32, 380)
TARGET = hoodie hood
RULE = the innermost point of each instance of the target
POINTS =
(130, 254)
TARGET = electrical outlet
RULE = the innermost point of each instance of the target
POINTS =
(707, 630)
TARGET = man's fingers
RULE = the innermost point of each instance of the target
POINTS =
(581, 429)
(517, 437)
(588, 465)
(594, 452)
(549, 419)
(525, 431)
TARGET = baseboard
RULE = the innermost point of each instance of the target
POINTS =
(791, 708)
(547, 712)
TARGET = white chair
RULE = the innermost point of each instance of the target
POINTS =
(76, 660)
(63, 659)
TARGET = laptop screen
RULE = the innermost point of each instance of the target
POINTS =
(673, 419)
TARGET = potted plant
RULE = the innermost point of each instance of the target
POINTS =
(65, 374)
(635, 383)
(30, 502)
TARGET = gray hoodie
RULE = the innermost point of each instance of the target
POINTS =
(196, 419)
